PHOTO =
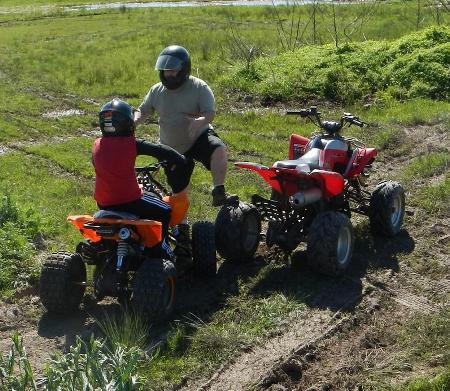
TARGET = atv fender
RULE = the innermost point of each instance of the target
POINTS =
(361, 157)
(272, 176)
(332, 182)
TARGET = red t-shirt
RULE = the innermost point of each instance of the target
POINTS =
(115, 179)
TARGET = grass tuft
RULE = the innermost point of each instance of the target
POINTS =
(128, 329)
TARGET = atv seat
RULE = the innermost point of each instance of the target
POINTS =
(310, 160)
(112, 214)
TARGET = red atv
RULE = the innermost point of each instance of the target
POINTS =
(125, 253)
(314, 193)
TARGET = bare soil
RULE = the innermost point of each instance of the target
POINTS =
(342, 341)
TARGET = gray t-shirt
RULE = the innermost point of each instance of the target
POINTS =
(175, 108)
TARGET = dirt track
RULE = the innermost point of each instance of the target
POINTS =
(332, 344)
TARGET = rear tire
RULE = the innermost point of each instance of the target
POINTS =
(330, 243)
(238, 231)
(387, 208)
(204, 248)
(60, 286)
(154, 289)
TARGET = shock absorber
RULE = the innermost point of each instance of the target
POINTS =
(122, 247)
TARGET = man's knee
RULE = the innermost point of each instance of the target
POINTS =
(220, 154)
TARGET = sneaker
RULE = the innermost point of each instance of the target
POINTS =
(183, 248)
(220, 197)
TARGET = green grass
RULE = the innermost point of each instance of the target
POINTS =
(38, 185)
(435, 198)
(425, 339)
(437, 383)
(417, 355)
(432, 164)
(73, 156)
(19, 227)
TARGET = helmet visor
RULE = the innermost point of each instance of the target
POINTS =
(168, 63)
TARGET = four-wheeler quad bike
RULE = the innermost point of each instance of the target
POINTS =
(313, 196)
(126, 254)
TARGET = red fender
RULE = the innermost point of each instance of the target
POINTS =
(361, 157)
(332, 182)
(290, 177)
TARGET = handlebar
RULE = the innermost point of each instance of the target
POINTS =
(327, 126)
(149, 183)
(152, 167)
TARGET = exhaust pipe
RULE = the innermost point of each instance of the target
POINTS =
(306, 197)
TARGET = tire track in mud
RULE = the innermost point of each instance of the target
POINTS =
(306, 330)
(284, 358)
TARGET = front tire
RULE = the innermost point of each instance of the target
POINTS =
(62, 282)
(154, 289)
(330, 243)
(238, 231)
(387, 208)
(204, 248)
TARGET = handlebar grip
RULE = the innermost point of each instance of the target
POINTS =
(357, 122)
(301, 113)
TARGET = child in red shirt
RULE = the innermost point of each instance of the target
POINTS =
(114, 156)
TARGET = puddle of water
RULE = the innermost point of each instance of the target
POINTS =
(181, 4)
(167, 4)
(62, 113)
(3, 150)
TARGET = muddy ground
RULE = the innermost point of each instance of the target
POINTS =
(341, 342)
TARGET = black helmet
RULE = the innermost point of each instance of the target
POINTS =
(117, 118)
(173, 58)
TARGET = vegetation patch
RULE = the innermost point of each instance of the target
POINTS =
(413, 66)
(428, 165)
(20, 234)
(435, 198)
(87, 366)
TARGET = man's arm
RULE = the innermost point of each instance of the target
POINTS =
(207, 110)
(201, 121)
(145, 109)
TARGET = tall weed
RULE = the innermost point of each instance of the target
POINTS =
(88, 366)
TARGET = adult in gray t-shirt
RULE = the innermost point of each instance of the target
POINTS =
(186, 107)
(178, 109)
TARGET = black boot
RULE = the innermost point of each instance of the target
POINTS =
(220, 197)
(183, 248)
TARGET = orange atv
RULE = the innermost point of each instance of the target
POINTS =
(126, 254)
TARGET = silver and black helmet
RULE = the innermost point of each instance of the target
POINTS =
(174, 58)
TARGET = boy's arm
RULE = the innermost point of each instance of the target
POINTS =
(159, 151)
